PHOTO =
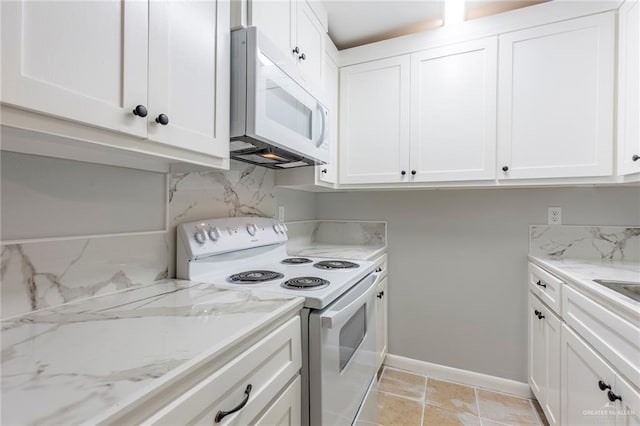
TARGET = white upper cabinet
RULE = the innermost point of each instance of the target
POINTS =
(629, 88)
(188, 75)
(294, 27)
(453, 112)
(82, 61)
(328, 172)
(374, 121)
(555, 101)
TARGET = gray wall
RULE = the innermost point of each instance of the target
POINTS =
(457, 265)
(298, 205)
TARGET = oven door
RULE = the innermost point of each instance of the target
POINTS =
(342, 355)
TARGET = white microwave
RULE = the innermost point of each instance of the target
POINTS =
(275, 122)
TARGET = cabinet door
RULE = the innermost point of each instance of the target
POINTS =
(628, 407)
(328, 172)
(583, 403)
(188, 75)
(82, 61)
(453, 112)
(629, 88)
(286, 410)
(381, 321)
(310, 36)
(275, 20)
(537, 350)
(374, 121)
(555, 103)
(552, 330)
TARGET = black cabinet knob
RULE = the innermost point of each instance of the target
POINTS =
(324, 170)
(537, 312)
(613, 397)
(296, 50)
(380, 295)
(403, 172)
(505, 168)
(140, 111)
(162, 119)
(603, 386)
(635, 157)
(302, 57)
(413, 172)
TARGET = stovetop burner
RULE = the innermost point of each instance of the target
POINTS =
(252, 277)
(336, 264)
(305, 283)
(296, 260)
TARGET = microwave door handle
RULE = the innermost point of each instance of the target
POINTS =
(324, 125)
(333, 319)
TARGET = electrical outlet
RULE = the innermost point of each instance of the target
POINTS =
(281, 213)
(554, 215)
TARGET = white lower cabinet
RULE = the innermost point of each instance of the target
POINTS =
(593, 393)
(544, 358)
(381, 321)
(260, 385)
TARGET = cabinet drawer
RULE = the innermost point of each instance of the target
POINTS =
(381, 264)
(614, 337)
(547, 287)
(268, 366)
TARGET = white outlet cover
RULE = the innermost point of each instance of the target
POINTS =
(554, 216)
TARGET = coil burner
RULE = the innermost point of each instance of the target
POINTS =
(305, 283)
(335, 264)
(253, 277)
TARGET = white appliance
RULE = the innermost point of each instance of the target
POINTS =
(275, 122)
(338, 319)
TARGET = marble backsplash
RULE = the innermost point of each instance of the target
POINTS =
(585, 242)
(35, 275)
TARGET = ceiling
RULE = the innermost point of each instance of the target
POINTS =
(356, 22)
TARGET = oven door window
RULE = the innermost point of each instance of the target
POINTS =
(351, 335)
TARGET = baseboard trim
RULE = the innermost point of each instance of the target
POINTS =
(464, 377)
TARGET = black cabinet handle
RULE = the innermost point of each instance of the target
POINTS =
(603, 386)
(222, 414)
(403, 172)
(162, 119)
(324, 170)
(378, 269)
(379, 295)
(296, 50)
(140, 111)
(537, 312)
(541, 284)
(413, 172)
(635, 157)
(505, 168)
(613, 397)
(302, 57)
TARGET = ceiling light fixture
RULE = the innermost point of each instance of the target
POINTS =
(453, 12)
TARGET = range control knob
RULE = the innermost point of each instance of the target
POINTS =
(200, 236)
(276, 228)
(251, 229)
(284, 227)
(214, 233)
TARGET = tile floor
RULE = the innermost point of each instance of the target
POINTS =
(406, 399)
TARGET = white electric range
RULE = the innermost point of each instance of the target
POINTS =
(338, 319)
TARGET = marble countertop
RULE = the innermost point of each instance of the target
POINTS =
(83, 361)
(580, 273)
(339, 251)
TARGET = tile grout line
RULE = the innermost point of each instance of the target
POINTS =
(475, 393)
(424, 399)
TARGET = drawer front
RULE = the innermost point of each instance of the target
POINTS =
(286, 410)
(267, 366)
(614, 337)
(547, 287)
(381, 264)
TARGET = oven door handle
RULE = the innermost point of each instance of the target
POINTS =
(333, 319)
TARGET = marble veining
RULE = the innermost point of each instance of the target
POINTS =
(338, 239)
(36, 275)
(585, 242)
(57, 367)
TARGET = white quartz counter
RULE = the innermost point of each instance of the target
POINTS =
(580, 274)
(339, 251)
(80, 362)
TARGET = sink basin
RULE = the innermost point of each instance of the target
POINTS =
(627, 288)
